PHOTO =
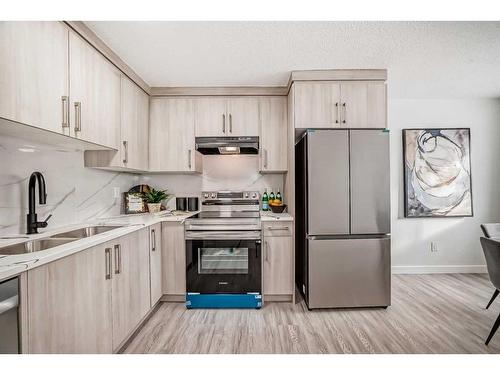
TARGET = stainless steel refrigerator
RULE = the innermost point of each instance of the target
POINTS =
(343, 218)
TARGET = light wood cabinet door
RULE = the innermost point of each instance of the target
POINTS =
(211, 117)
(273, 134)
(69, 304)
(94, 93)
(155, 262)
(171, 136)
(131, 289)
(316, 104)
(363, 104)
(278, 266)
(134, 125)
(242, 117)
(34, 73)
(173, 259)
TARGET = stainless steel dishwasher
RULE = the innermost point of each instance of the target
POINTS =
(9, 316)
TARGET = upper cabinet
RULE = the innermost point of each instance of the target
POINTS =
(273, 134)
(349, 104)
(230, 117)
(34, 74)
(95, 94)
(171, 136)
(133, 151)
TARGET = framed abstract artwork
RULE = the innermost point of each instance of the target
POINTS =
(437, 172)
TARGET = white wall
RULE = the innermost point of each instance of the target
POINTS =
(229, 172)
(457, 239)
(74, 193)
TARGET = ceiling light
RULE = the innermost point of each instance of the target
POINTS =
(229, 150)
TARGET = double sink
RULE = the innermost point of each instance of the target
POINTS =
(56, 240)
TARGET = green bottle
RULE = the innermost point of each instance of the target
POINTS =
(265, 201)
(271, 197)
(279, 199)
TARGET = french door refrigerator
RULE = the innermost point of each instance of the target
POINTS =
(343, 218)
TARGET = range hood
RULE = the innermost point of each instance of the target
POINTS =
(227, 145)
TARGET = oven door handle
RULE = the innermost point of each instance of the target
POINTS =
(222, 235)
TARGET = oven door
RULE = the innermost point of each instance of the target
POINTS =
(228, 265)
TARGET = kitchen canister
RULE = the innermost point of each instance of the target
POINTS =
(193, 204)
(181, 204)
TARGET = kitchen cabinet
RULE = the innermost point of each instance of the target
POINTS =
(223, 116)
(173, 260)
(346, 104)
(131, 284)
(171, 136)
(273, 134)
(155, 263)
(134, 139)
(70, 304)
(95, 94)
(34, 74)
(278, 263)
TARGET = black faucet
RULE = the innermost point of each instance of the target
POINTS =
(32, 224)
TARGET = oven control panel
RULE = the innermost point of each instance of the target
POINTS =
(229, 195)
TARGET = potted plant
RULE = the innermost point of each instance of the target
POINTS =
(154, 199)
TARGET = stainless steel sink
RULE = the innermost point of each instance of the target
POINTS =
(35, 245)
(86, 232)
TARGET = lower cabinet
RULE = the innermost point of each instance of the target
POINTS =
(155, 262)
(69, 304)
(131, 289)
(90, 302)
(278, 260)
(173, 261)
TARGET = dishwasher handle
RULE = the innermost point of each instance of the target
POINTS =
(9, 304)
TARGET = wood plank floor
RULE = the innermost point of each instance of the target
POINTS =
(429, 314)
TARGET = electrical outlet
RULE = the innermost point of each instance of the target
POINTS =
(434, 248)
(116, 192)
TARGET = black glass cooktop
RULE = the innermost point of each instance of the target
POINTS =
(227, 214)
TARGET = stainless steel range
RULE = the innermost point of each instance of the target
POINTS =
(223, 252)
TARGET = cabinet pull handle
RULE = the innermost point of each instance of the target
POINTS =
(189, 159)
(338, 113)
(345, 112)
(265, 157)
(65, 111)
(118, 259)
(125, 150)
(153, 238)
(107, 257)
(267, 251)
(278, 228)
(78, 117)
(230, 123)
(223, 123)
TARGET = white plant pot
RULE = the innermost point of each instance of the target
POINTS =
(154, 207)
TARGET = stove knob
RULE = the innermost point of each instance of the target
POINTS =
(254, 195)
(214, 195)
(246, 195)
(206, 195)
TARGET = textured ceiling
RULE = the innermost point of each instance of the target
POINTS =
(424, 59)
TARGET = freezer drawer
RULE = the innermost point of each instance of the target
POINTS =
(349, 273)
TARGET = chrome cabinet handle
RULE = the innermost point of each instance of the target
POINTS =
(278, 228)
(107, 256)
(189, 159)
(338, 112)
(267, 251)
(265, 157)
(230, 123)
(78, 116)
(345, 112)
(65, 111)
(118, 259)
(153, 238)
(223, 123)
(125, 149)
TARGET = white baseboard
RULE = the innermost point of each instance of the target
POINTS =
(400, 270)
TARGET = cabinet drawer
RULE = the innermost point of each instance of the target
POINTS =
(277, 229)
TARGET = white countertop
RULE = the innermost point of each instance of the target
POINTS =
(11, 265)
